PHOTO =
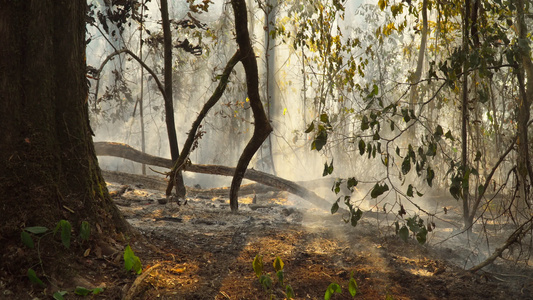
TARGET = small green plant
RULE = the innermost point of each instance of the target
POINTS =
(29, 235)
(336, 288)
(266, 280)
(131, 261)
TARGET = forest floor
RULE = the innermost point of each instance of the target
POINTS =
(202, 250)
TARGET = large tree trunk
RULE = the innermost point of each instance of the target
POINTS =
(48, 166)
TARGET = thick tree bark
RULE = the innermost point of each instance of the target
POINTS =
(48, 168)
(262, 126)
(125, 151)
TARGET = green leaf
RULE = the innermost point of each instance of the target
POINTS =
(85, 231)
(137, 265)
(404, 233)
(449, 135)
(364, 123)
(352, 287)
(324, 118)
(310, 128)
(320, 140)
(131, 261)
(361, 147)
(334, 207)
(82, 291)
(405, 114)
(33, 278)
(421, 236)
(265, 281)
(59, 295)
(432, 149)
(279, 274)
(438, 132)
(328, 169)
(478, 156)
(258, 265)
(430, 176)
(332, 288)
(278, 264)
(289, 292)
(36, 229)
(97, 290)
(26, 239)
(356, 216)
(413, 224)
(379, 190)
(351, 183)
(410, 191)
(406, 165)
(480, 189)
(66, 229)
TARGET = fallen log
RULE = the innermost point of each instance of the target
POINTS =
(159, 183)
(128, 152)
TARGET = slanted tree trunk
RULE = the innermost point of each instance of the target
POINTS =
(48, 166)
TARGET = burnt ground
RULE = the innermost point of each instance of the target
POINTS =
(201, 250)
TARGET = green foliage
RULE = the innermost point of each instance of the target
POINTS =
(332, 288)
(33, 278)
(415, 225)
(40, 232)
(328, 169)
(85, 231)
(352, 286)
(85, 291)
(59, 295)
(131, 261)
(258, 265)
(66, 229)
(378, 190)
(266, 280)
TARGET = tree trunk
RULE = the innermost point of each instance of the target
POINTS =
(169, 105)
(270, 10)
(48, 168)
(524, 103)
(262, 126)
(464, 118)
(413, 100)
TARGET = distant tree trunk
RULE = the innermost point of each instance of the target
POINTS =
(169, 105)
(464, 118)
(525, 66)
(48, 166)
(415, 78)
(270, 62)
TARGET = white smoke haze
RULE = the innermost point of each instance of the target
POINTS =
(229, 125)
